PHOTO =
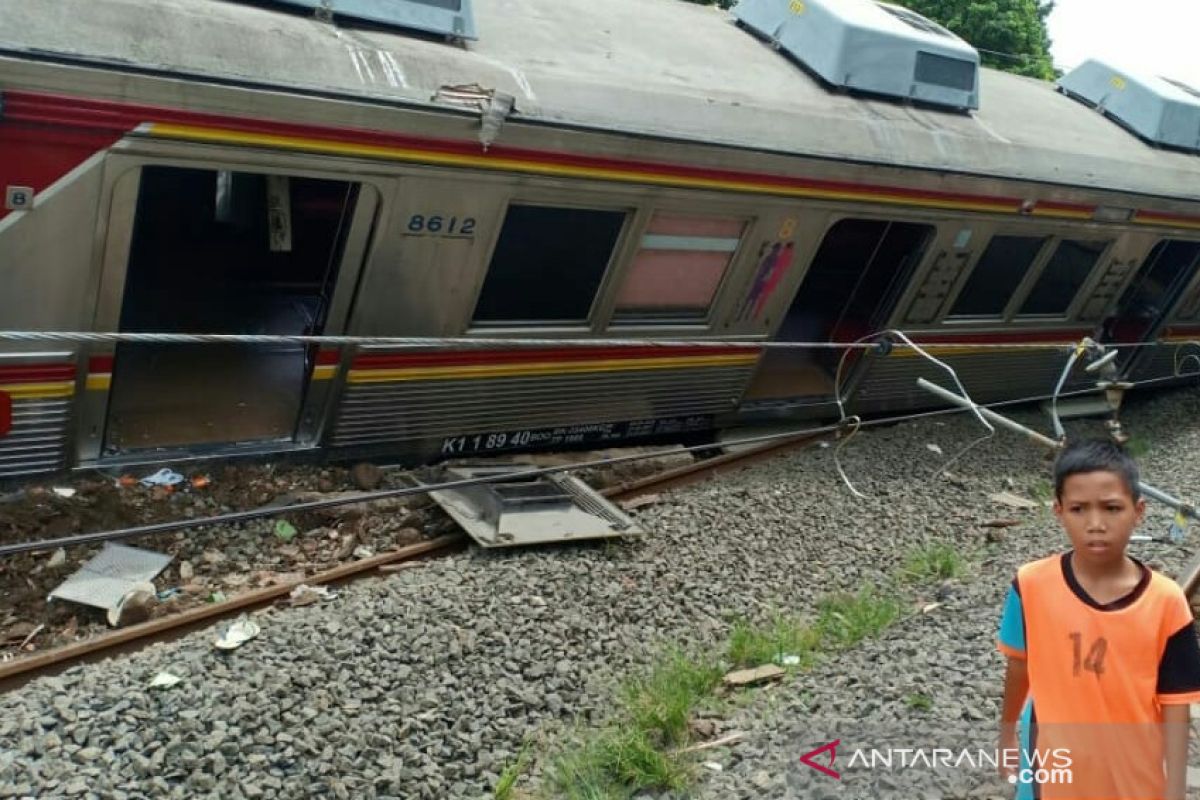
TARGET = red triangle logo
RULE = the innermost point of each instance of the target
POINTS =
(831, 748)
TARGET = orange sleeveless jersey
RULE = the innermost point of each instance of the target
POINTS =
(1098, 679)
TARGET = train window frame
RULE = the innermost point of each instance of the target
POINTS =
(613, 321)
(1073, 308)
(616, 257)
(1036, 264)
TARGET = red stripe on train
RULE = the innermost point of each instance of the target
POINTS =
(100, 364)
(25, 373)
(328, 357)
(122, 117)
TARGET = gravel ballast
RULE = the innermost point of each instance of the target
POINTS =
(424, 684)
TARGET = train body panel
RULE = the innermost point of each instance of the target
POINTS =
(371, 190)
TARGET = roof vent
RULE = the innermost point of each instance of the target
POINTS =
(445, 17)
(1160, 110)
(865, 46)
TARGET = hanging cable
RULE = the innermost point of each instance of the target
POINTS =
(85, 337)
(884, 344)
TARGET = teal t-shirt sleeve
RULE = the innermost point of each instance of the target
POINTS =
(1012, 623)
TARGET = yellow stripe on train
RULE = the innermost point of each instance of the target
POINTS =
(224, 136)
(39, 391)
(477, 371)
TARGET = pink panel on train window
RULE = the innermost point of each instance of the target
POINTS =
(672, 279)
(679, 225)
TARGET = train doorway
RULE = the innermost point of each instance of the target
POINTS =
(849, 291)
(1151, 298)
(215, 251)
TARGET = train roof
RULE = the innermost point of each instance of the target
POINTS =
(661, 68)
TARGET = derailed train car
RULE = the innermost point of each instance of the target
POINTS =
(559, 170)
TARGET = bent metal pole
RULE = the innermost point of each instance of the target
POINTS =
(1156, 494)
(1190, 581)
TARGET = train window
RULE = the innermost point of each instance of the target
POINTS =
(997, 275)
(677, 270)
(548, 265)
(1062, 277)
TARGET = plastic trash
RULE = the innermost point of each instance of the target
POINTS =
(164, 477)
(164, 680)
(789, 660)
(236, 635)
(285, 531)
(933, 448)
(64, 491)
(305, 595)
(1178, 530)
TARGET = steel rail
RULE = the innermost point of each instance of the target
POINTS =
(127, 640)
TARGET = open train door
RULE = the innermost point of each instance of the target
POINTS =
(1150, 300)
(201, 250)
(849, 290)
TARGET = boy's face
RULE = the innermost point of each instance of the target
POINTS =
(1099, 515)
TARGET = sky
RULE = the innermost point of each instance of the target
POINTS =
(1161, 37)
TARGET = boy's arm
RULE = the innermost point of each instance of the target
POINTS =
(1176, 723)
(1016, 689)
(1016, 677)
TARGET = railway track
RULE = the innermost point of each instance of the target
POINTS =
(136, 637)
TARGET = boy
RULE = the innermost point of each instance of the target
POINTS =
(1102, 648)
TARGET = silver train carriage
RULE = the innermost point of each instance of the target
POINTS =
(557, 169)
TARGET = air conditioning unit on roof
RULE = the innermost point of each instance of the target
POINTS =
(452, 18)
(866, 46)
(1160, 110)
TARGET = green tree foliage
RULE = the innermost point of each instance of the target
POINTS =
(1009, 34)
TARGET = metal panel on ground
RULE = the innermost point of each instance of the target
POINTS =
(516, 510)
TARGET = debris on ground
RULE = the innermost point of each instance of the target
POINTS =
(367, 477)
(754, 677)
(204, 557)
(164, 680)
(633, 504)
(115, 580)
(135, 606)
(236, 634)
(305, 595)
(1014, 501)
(164, 477)
(284, 530)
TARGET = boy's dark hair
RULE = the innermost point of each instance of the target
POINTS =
(1096, 455)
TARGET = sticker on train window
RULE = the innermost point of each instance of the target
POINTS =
(446, 225)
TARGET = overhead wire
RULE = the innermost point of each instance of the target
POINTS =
(96, 337)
